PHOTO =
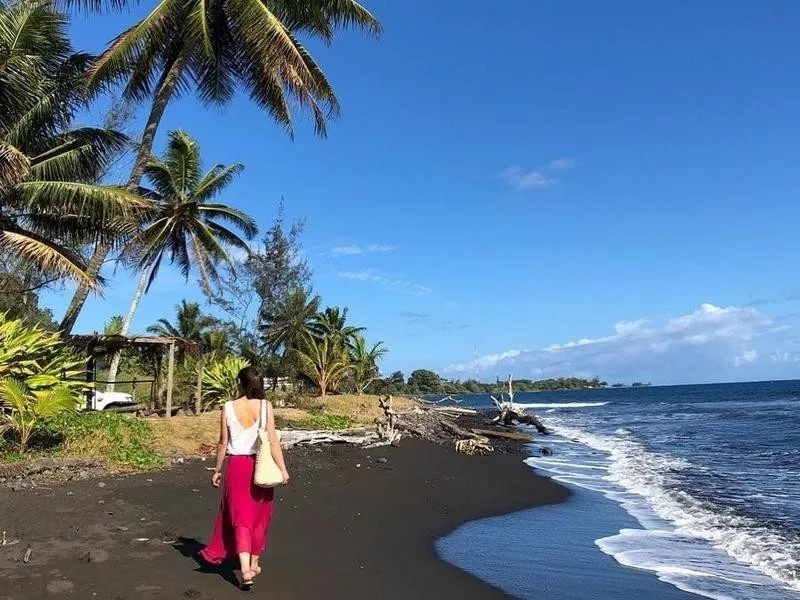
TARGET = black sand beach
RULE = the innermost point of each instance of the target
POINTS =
(341, 530)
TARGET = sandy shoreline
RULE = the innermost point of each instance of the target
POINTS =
(340, 531)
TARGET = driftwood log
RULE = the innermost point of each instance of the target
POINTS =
(359, 437)
(516, 436)
(510, 414)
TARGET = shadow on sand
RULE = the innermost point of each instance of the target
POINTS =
(190, 548)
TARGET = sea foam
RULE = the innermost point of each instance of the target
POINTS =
(692, 544)
(562, 404)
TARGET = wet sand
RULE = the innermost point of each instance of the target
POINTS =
(340, 530)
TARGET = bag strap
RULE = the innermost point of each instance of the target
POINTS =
(262, 415)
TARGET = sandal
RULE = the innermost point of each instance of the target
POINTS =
(246, 582)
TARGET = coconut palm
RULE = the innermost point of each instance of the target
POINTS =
(323, 361)
(214, 47)
(285, 326)
(185, 226)
(365, 362)
(190, 323)
(332, 322)
(50, 205)
(113, 326)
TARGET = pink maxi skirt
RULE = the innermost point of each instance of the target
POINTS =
(244, 514)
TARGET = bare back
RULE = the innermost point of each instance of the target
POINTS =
(242, 417)
(246, 411)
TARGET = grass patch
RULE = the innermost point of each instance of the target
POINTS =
(181, 436)
(10, 456)
(321, 420)
(124, 442)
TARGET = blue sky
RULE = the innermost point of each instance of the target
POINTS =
(508, 181)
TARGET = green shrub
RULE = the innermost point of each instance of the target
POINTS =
(38, 358)
(29, 408)
(219, 380)
(123, 441)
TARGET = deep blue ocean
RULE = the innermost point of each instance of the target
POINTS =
(709, 473)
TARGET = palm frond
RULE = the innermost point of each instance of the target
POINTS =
(228, 214)
(215, 181)
(44, 253)
(14, 166)
(80, 154)
(321, 18)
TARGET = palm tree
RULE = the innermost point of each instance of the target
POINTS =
(113, 326)
(50, 205)
(332, 322)
(185, 225)
(284, 327)
(190, 323)
(365, 362)
(323, 362)
(213, 47)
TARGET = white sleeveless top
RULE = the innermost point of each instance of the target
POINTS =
(242, 441)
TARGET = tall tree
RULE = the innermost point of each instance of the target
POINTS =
(50, 205)
(259, 283)
(286, 326)
(190, 323)
(322, 361)
(213, 47)
(185, 224)
(365, 362)
(332, 322)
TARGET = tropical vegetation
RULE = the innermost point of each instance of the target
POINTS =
(184, 224)
(214, 49)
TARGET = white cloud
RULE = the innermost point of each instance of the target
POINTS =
(698, 346)
(539, 177)
(561, 164)
(523, 180)
(355, 250)
(395, 284)
(747, 357)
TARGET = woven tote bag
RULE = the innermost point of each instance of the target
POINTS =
(267, 474)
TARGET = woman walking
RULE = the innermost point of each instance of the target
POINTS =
(240, 530)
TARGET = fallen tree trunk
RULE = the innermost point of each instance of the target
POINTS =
(506, 435)
(455, 410)
(511, 414)
(311, 438)
(457, 431)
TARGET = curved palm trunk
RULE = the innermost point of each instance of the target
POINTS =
(166, 88)
(126, 326)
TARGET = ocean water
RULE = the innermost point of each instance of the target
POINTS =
(711, 475)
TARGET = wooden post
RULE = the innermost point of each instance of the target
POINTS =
(198, 399)
(170, 378)
(133, 389)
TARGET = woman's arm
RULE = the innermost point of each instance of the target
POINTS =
(275, 443)
(222, 448)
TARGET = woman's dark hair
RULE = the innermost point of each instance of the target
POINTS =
(251, 382)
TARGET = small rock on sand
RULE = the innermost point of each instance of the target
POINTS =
(60, 586)
(101, 485)
(383, 460)
(96, 556)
